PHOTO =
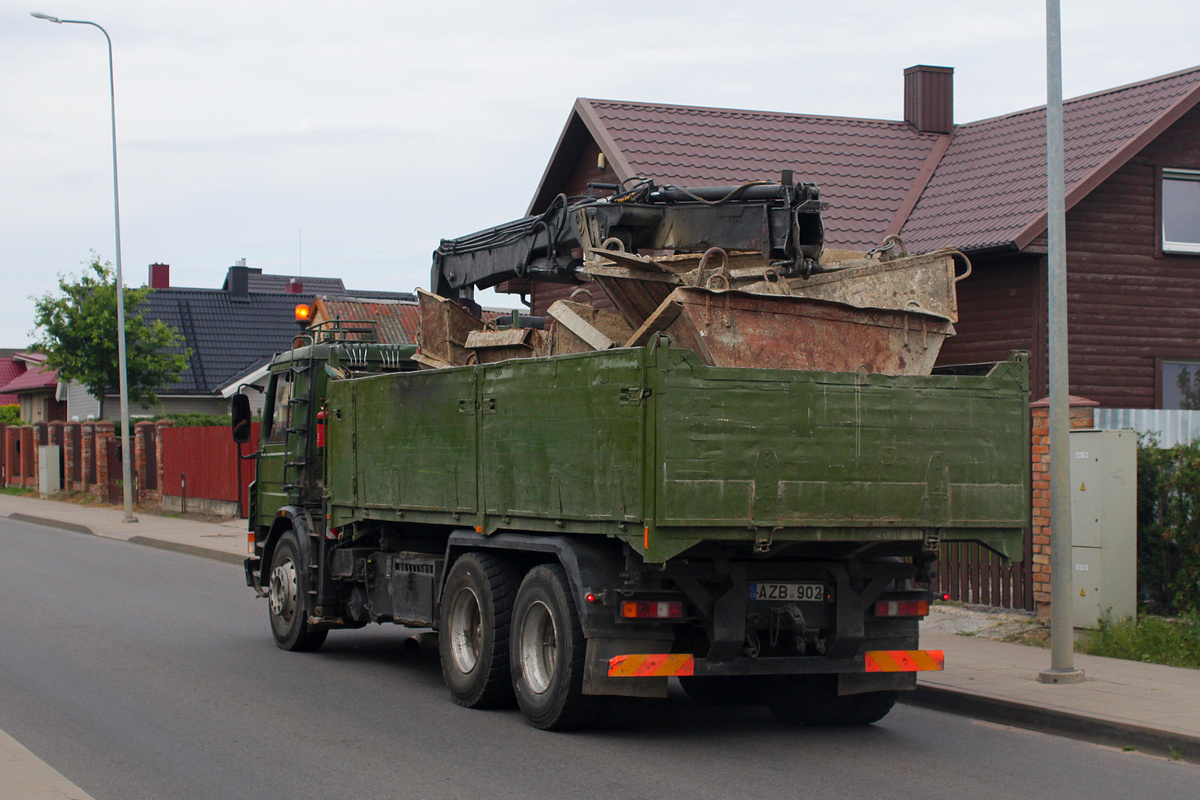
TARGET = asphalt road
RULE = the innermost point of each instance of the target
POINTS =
(140, 673)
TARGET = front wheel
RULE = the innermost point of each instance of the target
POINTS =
(548, 653)
(289, 615)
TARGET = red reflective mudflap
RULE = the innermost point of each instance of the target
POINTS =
(905, 660)
(651, 665)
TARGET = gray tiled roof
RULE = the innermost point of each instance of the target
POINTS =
(230, 337)
(227, 337)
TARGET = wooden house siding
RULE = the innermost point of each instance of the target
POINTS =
(541, 293)
(998, 309)
(1130, 304)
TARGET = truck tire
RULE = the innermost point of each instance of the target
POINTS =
(473, 630)
(723, 690)
(548, 653)
(289, 616)
(805, 699)
(869, 707)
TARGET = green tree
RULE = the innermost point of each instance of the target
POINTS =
(77, 327)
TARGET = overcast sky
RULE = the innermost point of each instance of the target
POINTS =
(344, 139)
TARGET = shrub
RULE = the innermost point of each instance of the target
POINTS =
(196, 420)
(1175, 642)
(1168, 520)
(10, 415)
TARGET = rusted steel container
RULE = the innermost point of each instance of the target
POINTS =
(738, 329)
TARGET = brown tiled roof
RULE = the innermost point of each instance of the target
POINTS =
(864, 167)
(990, 188)
(981, 187)
(396, 321)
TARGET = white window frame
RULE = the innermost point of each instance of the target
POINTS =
(1172, 174)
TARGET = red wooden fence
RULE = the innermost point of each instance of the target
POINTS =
(203, 464)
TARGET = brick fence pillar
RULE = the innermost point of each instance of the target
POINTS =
(146, 461)
(158, 452)
(28, 457)
(70, 456)
(87, 456)
(104, 434)
(1082, 417)
(12, 466)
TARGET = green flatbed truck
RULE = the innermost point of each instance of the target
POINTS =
(582, 528)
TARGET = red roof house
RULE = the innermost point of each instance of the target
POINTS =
(35, 387)
(1133, 198)
(10, 367)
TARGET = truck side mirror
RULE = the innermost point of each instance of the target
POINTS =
(239, 411)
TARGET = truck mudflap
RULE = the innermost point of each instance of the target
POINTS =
(659, 665)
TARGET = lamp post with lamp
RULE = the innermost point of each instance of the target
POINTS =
(123, 387)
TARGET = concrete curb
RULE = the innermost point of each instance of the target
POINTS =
(1053, 721)
(190, 549)
(146, 541)
(52, 523)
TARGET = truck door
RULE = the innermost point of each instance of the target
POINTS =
(269, 480)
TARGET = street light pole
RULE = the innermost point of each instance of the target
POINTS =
(123, 381)
(1062, 632)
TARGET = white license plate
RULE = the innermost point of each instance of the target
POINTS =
(787, 591)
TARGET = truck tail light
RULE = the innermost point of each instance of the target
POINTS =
(250, 542)
(902, 608)
(652, 609)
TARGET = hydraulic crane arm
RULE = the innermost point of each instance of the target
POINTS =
(780, 220)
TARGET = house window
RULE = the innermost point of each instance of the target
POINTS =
(1181, 211)
(1181, 384)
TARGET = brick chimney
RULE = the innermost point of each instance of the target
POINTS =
(929, 98)
(237, 281)
(160, 276)
(295, 286)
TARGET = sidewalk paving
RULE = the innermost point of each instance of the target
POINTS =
(1148, 707)
(24, 776)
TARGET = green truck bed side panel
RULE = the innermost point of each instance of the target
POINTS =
(768, 448)
(404, 441)
(610, 441)
(561, 438)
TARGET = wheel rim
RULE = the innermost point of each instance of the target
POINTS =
(539, 647)
(283, 591)
(466, 630)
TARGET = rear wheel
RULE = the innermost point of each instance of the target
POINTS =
(473, 635)
(869, 707)
(289, 611)
(548, 653)
(723, 690)
(805, 699)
